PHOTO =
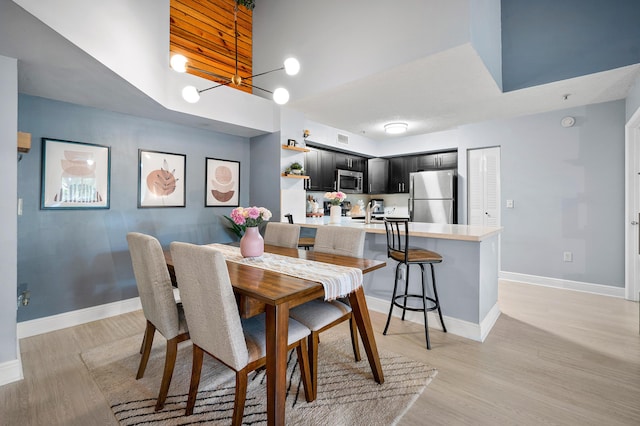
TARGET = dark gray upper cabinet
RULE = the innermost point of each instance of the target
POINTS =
(320, 166)
(437, 161)
(349, 162)
(377, 175)
(399, 170)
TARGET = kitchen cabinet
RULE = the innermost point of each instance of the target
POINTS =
(437, 161)
(377, 175)
(320, 166)
(399, 170)
(349, 162)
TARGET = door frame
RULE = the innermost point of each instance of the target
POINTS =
(632, 207)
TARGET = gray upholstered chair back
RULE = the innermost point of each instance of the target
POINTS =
(339, 240)
(209, 303)
(154, 283)
(282, 234)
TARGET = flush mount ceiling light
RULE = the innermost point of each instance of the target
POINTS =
(191, 94)
(395, 128)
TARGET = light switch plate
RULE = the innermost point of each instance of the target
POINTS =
(509, 204)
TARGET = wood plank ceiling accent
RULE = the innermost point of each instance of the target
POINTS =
(202, 31)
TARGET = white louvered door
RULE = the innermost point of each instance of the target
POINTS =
(484, 186)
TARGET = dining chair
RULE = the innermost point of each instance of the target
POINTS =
(159, 305)
(398, 249)
(319, 315)
(282, 234)
(303, 242)
(217, 329)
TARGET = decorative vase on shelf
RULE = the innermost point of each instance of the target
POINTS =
(335, 214)
(251, 243)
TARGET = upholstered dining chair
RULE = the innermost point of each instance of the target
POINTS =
(216, 328)
(282, 234)
(159, 305)
(303, 242)
(319, 315)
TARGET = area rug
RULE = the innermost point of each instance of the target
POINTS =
(347, 393)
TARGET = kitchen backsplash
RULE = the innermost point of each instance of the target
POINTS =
(394, 204)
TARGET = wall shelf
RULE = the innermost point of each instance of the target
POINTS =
(294, 176)
(295, 148)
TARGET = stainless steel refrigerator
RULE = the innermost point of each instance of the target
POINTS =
(432, 196)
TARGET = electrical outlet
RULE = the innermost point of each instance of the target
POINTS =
(509, 204)
(567, 256)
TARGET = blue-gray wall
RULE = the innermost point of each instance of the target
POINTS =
(486, 36)
(8, 230)
(568, 189)
(551, 40)
(265, 175)
(77, 259)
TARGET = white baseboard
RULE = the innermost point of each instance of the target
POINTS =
(11, 371)
(603, 290)
(466, 329)
(73, 318)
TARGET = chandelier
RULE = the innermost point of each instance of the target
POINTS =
(191, 94)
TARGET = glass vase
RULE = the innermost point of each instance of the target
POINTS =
(251, 243)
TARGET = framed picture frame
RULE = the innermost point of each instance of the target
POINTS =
(74, 175)
(222, 184)
(161, 179)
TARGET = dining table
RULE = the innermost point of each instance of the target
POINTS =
(260, 290)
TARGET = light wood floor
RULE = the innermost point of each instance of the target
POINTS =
(553, 357)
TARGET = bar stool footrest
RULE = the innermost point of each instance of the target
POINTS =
(402, 297)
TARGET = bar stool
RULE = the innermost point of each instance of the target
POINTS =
(303, 242)
(398, 250)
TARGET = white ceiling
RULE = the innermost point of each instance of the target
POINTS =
(440, 91)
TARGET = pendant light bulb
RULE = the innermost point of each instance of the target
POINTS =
(291, 66)
(178, 63)
(190, 94)
(281, 96)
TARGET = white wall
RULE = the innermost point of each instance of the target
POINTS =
(633, 99)
(10, 369)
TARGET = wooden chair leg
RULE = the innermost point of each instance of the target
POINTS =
(314, 340)
(305, 374)
(354, 338)
(145, 350)
(196, 368)
(169, 364)
(241, 396)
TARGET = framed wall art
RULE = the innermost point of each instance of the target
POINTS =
(75, 175)
(222, 186)
(161, 179)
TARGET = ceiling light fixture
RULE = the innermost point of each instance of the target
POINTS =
(395, 128)
(191, 94)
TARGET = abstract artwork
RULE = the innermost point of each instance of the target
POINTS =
(75, 175)
(222, 186)
(161, 179)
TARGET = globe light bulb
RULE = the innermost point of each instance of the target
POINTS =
(281, 96)
(178, 63)
(291, 66)
(190, 94)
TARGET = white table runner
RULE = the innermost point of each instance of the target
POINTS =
(338, 281)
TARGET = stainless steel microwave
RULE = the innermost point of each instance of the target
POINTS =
(349, 182)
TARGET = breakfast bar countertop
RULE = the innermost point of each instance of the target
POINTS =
(416, 229)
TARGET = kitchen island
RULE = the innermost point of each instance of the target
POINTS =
(467, 278)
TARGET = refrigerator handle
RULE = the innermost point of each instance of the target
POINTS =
(410, 208)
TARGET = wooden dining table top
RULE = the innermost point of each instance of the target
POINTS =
(274, 288)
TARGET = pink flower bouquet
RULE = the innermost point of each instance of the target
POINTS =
(250, 216)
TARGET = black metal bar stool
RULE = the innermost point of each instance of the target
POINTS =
(398, 250)
(303, 242)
